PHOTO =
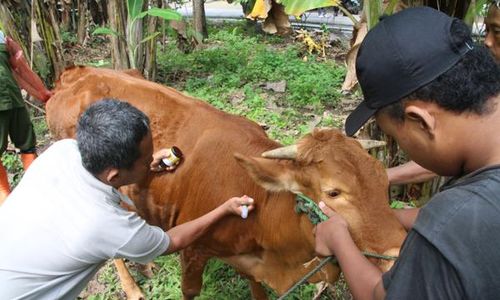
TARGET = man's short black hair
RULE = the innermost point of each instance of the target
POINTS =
(109, 134)
(465, 87)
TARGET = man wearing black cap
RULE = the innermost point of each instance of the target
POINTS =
(411, 172)
(437, 95)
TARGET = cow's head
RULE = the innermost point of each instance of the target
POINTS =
(328, 166)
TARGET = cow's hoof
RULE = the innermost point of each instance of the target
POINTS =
(148, 269)
(190, 296)
(135, 295)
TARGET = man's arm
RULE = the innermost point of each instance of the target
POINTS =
(406, 216)
(379, 291)
(24, 76)
(333, 238)
(183, 235)
(409, 172)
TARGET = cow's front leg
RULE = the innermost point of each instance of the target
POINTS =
(129, 286)
(193, 263)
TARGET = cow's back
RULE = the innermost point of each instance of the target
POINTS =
(208, 176)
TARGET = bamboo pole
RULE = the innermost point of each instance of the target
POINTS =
(32, 34)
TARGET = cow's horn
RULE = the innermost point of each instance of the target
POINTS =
(288, 152)
(369, 144)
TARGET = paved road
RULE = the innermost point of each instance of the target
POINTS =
(224, 10)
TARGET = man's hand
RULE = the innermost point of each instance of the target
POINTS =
(331, 232)
(406, 216)
(236, 205)
(15, 51)
(185, 234)
(156, 166)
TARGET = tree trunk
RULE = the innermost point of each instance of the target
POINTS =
(151, 47)
(117, 21)
(65, 15)
(82, 21)
(455, 8)
(49, 28)
(199, 19)
(136, 35)
(74, 11)
(104, 11)
(54, 22)
(15, 19)
(95, 12)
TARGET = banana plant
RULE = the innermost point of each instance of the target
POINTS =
(276, 12)
(292, 7)
(475, 9)
(133, 34)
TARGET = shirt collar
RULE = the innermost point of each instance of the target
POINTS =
(454, 181)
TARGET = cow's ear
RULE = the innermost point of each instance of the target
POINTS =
(272, 174)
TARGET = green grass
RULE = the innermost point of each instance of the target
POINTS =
(230, 70)
(232, 61)
(13, 165)
(220, 282)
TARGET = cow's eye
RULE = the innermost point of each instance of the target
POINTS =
(333, 193)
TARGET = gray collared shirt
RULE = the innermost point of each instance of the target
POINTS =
(453, 250)
(61, 224)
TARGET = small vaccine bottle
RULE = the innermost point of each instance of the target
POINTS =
(173, 159)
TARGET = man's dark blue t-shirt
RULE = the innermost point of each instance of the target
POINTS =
(453, 250)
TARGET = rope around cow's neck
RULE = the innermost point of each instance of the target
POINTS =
(307, 206)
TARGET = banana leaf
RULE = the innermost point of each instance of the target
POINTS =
(292, 7)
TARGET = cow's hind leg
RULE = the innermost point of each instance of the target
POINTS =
(193, 263)
(129, 286)
(258, 291)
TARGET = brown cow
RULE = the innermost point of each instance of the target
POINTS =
(274, 244)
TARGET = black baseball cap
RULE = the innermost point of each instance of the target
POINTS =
(402, 53)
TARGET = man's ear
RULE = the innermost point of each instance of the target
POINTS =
(421, 115)
(110, 176)
(272, 174)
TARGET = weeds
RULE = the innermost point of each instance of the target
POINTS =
(13, 165)
(232, 62)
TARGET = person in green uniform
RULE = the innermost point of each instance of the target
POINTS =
(15, 121)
